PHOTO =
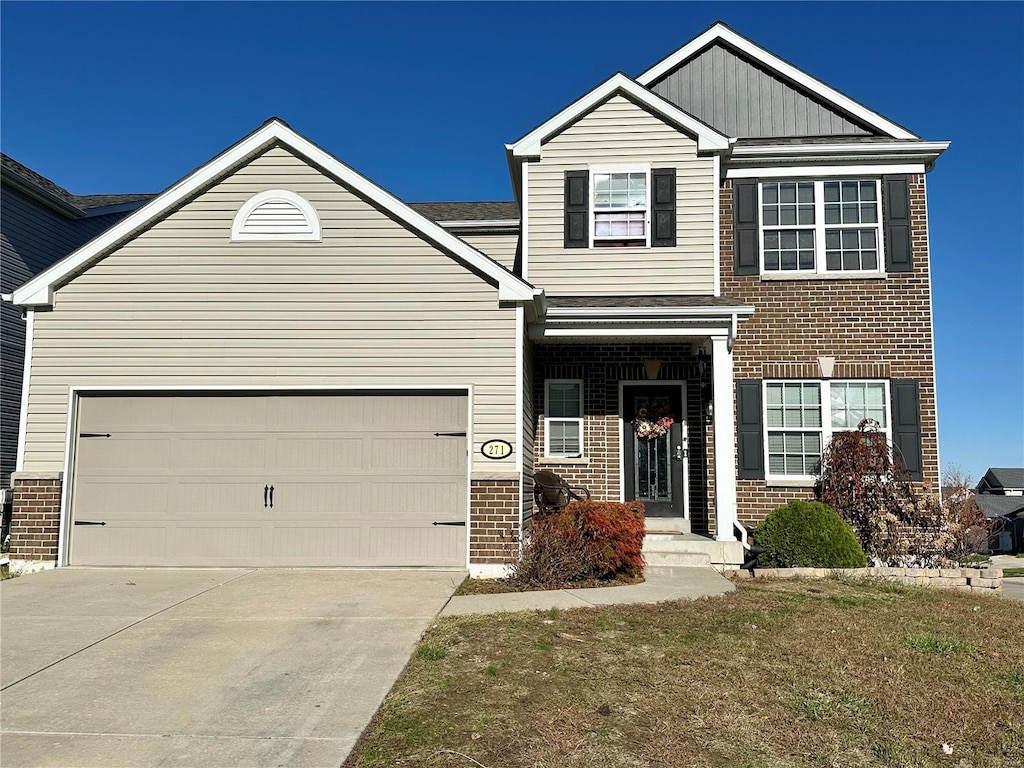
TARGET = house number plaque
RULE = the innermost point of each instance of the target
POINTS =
(496, 449)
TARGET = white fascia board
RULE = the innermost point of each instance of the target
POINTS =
(541, 331)
(720, 32)
(39, 290)
(591, 313)
(856, 148)
(708, 139)
(822, 171)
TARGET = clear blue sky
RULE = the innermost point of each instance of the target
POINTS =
(129, 97)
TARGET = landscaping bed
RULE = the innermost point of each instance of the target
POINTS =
(502, 586)
(837, 672)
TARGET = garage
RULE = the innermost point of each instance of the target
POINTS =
(260, 479)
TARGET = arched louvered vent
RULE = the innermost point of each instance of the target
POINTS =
(276, 214)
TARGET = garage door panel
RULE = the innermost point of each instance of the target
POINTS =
(358, 480)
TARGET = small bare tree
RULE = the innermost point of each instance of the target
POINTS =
(971, 529)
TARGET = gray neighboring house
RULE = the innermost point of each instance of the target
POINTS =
(1001, 498)
(40, 224)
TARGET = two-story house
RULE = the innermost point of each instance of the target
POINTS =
(709, 269)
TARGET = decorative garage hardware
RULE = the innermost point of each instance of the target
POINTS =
(496, 449)
(449, 434)
(268, 496)
(95, 434)
(455, 522)
(90, 522)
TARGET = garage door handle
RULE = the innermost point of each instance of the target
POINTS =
(90, 522)
(456, 522)
(266, 489)
(449, 434)
(271, 497)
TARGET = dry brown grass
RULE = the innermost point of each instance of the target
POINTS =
(779, 673)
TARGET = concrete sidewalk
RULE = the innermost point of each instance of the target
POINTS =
(661, 584)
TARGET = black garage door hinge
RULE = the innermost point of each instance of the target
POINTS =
(456, 522)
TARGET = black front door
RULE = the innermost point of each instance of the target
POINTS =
(653, 450)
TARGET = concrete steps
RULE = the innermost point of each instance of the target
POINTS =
(669, 544)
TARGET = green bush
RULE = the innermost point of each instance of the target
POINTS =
(808, 534)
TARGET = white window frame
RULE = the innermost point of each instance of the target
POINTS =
(637, 168)
(826, 430)
(819, 228)
(561, 419)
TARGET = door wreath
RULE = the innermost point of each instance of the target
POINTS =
(652, 419)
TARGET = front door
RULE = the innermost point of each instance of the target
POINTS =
(654, 447)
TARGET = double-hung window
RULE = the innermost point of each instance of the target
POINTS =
(825, 226)
(801, 417)
(563, 422)
(620, 207)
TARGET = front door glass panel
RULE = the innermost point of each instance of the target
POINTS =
(653, 476)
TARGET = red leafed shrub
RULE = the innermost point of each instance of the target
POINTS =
(587, 540)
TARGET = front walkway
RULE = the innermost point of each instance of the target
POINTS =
(661, 585)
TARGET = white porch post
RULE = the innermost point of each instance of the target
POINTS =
(725, 439)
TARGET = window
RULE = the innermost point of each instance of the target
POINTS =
(621, 212)
(563, 422)
(802, 416)
(821, 226)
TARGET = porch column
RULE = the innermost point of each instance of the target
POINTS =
(725, 440)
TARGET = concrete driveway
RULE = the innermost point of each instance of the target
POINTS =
(130, 667)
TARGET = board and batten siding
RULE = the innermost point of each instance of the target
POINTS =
(180, 305)
(501, 248)
(620, 133)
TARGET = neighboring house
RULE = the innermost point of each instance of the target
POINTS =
(277, 362)
(40, 223)
(1001, 499)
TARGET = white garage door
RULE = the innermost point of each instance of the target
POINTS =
(265, 480)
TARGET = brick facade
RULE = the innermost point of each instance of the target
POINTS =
(602, 367)
(35, 520)
(494, 522)
(873, 327)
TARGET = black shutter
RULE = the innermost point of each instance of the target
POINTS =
(906, 426)
(897, 224)
(577, 197)
(748, 255)
(750, 448)
(663, 233)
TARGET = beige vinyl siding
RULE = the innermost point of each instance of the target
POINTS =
(501, 248)
(619, 133)
(182, 306)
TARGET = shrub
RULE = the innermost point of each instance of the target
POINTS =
(808, 534)
(586, 540)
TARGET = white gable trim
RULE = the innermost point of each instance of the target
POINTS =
(242, 228)
(39, 290)
(708, 139)
(720, 32)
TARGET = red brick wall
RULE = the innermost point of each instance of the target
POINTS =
(35, 520)
(602, 367)
(875, 328)
(494, 521)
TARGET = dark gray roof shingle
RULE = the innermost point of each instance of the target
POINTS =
(471, 211)
(11, 167)
(574, 302)
(1006, 477)
(993, 505)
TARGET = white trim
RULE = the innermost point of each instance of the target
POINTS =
(826, 430)
(822, 171)
(716, 213)
(76, 392)
(853, 148)
(578, 420)
(653, 312)
(26, 378)
(238, 232)
(724, 438)
(524, 229)
(681, 383)
(708, 139)
(720, 32)
(593, 170)
(39, 290)
(520, 440)
(680, 331)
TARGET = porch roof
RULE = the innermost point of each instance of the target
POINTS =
(577, 302)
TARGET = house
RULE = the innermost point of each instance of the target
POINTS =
(708, 269)
(1000, 496)
(41, 224)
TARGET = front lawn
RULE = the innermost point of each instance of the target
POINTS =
(778, 673)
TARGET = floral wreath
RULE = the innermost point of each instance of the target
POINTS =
(652, 419)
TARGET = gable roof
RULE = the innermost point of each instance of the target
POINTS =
(39, 290)
(1004, 477)
(708, 139)
(720, 33)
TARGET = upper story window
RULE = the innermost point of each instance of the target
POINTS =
(563, 422)
(821, 226)
(276, 214)
(620, 208)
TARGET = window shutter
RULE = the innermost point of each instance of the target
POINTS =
(750, 448)
(577, 199)
(748, 252)
(897, 224)
(906, 426)
(663, 213)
